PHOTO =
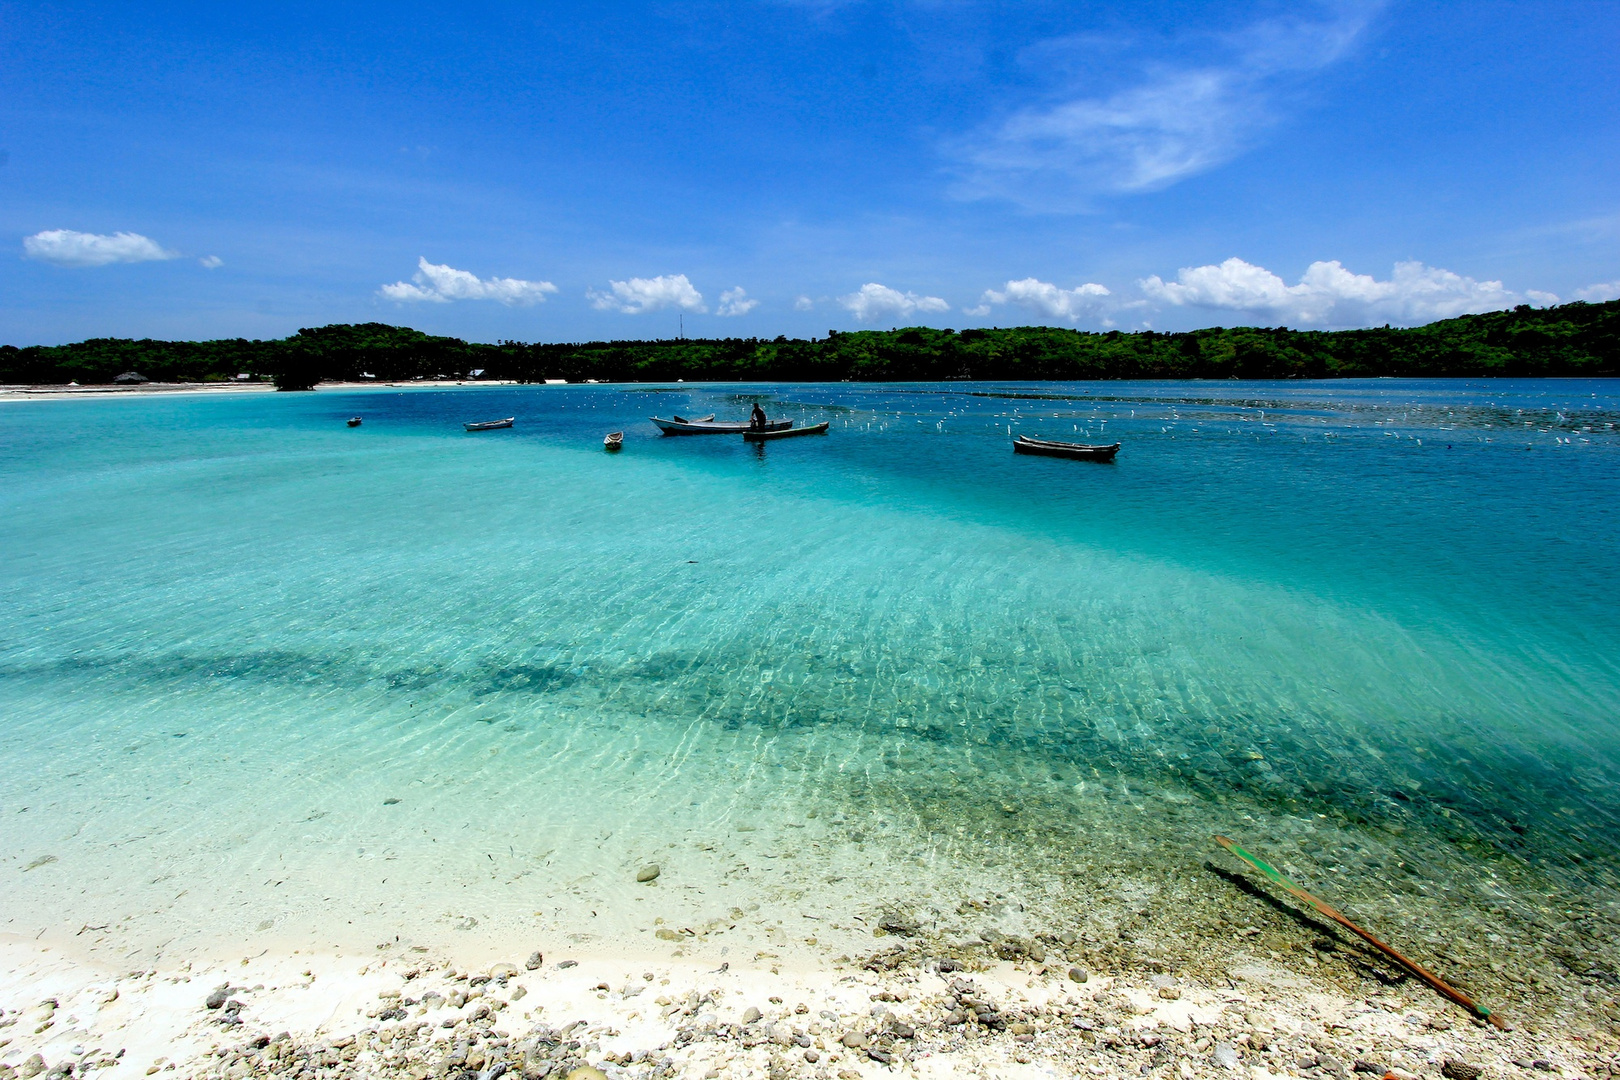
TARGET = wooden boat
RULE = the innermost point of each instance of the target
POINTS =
(694, 420)
(708, 427)
(354, 421)
(489, 425)
(787, 433)
(1051, 448)
(614, 441)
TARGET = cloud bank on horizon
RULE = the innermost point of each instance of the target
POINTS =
(1327, 295)
(1330, 295)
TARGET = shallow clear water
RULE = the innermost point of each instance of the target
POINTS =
(1354, 618)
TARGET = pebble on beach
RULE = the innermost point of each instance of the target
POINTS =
(648, 873)
(534, 961)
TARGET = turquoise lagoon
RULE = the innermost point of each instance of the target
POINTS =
(267, 678)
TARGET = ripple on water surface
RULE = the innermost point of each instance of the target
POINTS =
(263, 674)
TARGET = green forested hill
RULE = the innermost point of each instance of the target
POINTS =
(1573, 339)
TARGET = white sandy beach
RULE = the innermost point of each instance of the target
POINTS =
(419, 1012)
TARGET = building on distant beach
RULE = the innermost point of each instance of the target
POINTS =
(131, 377)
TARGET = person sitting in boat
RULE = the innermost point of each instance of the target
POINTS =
(756, 419)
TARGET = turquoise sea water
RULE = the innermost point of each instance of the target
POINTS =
(259, 670)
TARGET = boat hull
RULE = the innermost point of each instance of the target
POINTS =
(787, 433)
(614, 441)
(693, 427)
(490, 425)
(1073, 451)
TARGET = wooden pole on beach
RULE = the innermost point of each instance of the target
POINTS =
(1435, 981)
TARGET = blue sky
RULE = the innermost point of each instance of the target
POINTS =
(556, 172)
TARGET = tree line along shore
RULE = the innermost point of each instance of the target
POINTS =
(1577, 339)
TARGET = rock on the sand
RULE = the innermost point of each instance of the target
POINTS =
(587, 1072)
(751, 1014)
(648, 872)
(217, 996)
(534, 961)
(1079, 974)
(1226, 1056)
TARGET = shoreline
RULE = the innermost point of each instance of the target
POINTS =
(913, 1009)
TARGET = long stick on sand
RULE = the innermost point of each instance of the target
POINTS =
(1421, 972)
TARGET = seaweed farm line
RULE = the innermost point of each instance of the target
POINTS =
(271, 682)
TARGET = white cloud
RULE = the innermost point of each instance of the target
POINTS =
(1598, 293)
(649, 294)
(441, 284)
(735, 302)
(803, 303)
(1330, 295)
(1047, 299)
(1176, 122)
(874, 301)
(211, 262)
(64, 247)
(1545, 299)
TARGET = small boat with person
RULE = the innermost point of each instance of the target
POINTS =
(786, 433)
(614, 441)
(489, 425)
(1023, 444)
(677, 426)
(354, 421)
